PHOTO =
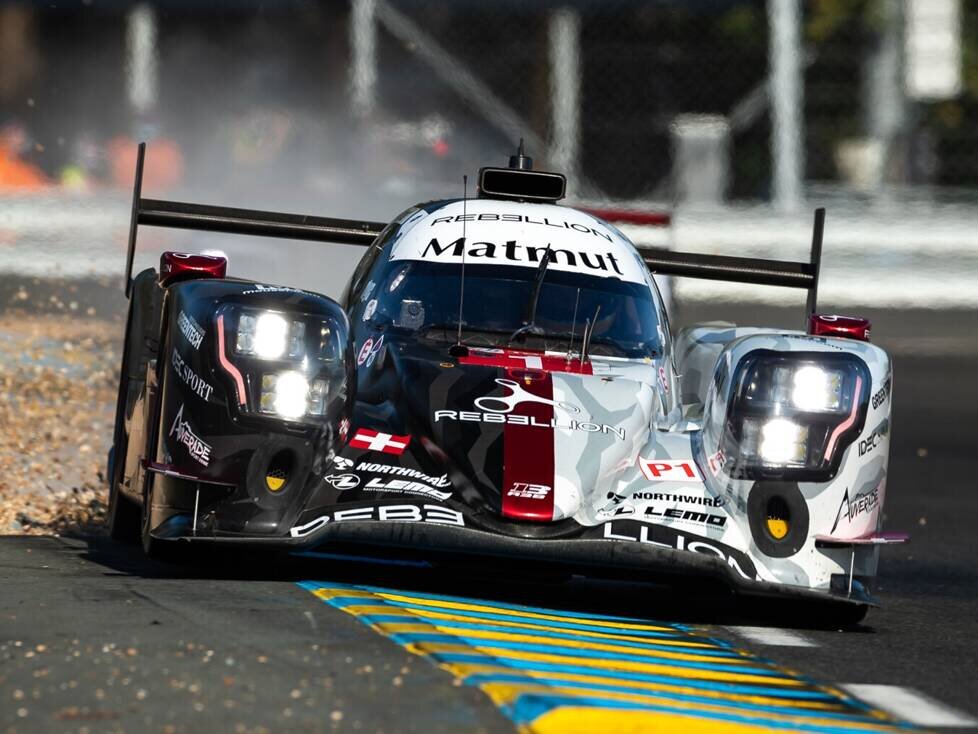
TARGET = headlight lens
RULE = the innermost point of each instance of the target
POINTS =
(269, 335)
(817, 389)
(291, 365)
(793, 413)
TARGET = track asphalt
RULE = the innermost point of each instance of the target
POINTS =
(94, 637)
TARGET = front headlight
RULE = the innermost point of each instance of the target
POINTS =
(285, 365)
(793, 413)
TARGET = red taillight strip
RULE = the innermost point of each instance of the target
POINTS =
(225, 362)
(847, 423)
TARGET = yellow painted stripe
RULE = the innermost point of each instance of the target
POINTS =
(506, 693)
(585, 720)
(494, 635)
(464, 670)
(467, 607)
(708, 714)
(626, 665)
(670, 641)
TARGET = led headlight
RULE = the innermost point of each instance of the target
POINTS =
(285, 365)
(793, 413)
(814, 388)
(269, 335)
(290, 395)
(774, 441)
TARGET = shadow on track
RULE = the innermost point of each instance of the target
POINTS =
(696, 601)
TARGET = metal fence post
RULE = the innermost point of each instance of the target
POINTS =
(787, 100)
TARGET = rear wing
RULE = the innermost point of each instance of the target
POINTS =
(180, 215)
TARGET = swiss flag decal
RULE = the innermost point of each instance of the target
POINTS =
(377, 441)
(670, 470)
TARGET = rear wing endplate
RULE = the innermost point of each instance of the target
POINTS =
(180, 215)
(746, 269)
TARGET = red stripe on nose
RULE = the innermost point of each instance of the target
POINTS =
(528, 451)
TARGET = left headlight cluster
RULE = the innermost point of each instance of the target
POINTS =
(286, 365)
(792, 414)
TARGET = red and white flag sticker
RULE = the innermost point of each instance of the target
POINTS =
(670, 470)
(377, 441)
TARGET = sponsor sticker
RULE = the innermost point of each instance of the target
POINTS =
(199, 450)
(584, 257)
(379, 441)
(716, 462)
(406, 486)
(191, 330)
(525, 490)
(880, 396)
(194, 381)
(874, 439)
(368, 352)
(342, 463)
(861, 504)
(259, 288)
(523, 420)
(434, 514)
(665, 537)
(343, 481)
(403, 471)
(670, 470)
(370, 309)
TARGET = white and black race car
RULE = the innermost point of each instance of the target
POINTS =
(499, 380)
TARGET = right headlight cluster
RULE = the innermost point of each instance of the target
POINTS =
(285, 365)
(792, 414)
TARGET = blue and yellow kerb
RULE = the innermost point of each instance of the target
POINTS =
(556, 671)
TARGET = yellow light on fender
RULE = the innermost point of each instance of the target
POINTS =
(275, 482)
(777, 527)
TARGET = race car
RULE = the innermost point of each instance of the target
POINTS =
(500, 382)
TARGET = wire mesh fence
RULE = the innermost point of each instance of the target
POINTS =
(654, 100)
(360, 108)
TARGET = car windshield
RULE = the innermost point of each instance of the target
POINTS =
(424, 298)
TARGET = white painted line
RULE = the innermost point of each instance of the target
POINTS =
(909, 704)
(773, 636)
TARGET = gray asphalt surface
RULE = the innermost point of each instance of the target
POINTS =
(94, 637)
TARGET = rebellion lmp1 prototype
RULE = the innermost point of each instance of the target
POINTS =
(499, 381)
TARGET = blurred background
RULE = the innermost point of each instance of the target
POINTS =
(738, 116)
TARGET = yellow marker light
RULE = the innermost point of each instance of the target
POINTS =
(777, 527)
(274, 482)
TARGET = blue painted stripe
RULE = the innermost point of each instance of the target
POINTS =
(529, 707)
(787, 710)
(420, 610)
(502, 627)
(407, 638)
(711, 685)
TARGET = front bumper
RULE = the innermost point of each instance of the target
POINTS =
(587, 556)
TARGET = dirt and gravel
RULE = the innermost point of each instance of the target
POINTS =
(58, 375)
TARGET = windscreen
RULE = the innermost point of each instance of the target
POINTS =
(424, 298)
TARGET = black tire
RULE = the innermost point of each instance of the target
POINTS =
(123, 513)
(123, 516)
(142, 335)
